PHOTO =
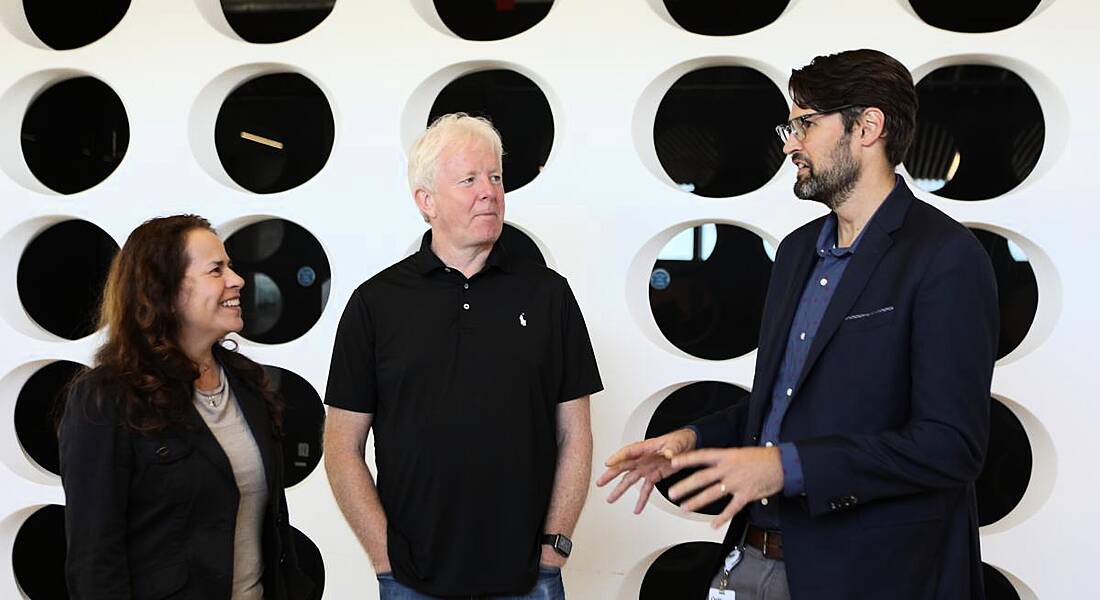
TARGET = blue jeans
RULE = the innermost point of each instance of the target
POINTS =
(548, 587)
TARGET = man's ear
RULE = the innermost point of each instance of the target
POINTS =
(424, 203)
(871, 126)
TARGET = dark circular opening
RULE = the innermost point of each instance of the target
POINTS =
(274, 132)
(980, 132)
(1007, 469)
(270, 21)
(707, 290)
(310, 561)
(724, 18)
(64, 25)
(688, 404)
(74, 134)
(61, 275)
(1017, 289)
(997, 586)
(715, 131)
(286, 277)
(974, 16)
(683, 571)
(518, 109)
(485, 20)
(303, 424)
(38, 403)
(38, 554)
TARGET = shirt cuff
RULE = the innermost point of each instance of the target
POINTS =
(698, 436)
(793, 484)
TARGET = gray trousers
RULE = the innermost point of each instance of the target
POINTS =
(757, 578)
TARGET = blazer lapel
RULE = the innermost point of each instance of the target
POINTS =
(773, 334)
(255, 413)
(204, 441)
(876, 241)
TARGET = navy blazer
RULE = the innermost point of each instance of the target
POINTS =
(890, 415)
(154, 516)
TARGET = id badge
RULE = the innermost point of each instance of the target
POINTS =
(718, 589)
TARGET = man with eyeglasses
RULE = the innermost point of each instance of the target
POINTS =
(850, 471)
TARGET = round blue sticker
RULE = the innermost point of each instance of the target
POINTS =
(306, 276)
(659, 279)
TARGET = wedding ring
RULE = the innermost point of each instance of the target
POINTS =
(722, 487)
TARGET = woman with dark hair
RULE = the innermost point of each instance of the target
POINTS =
(170, 457)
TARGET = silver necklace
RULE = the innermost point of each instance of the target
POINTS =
(214, 396)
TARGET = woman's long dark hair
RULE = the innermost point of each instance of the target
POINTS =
(141, 361)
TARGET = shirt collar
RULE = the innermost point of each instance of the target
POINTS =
(826, 240)
(425, 261)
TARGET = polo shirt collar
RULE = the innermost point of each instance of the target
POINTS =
(425, 261)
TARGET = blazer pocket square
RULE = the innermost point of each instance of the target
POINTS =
(879, 311)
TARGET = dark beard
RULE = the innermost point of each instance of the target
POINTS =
(834, 186)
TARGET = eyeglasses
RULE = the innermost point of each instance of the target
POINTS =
(797, 125)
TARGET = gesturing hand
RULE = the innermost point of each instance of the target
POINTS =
(746, 474)
(649, 461)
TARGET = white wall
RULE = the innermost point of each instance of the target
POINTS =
(601, 210)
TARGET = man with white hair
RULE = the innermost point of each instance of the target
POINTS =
(474, 368)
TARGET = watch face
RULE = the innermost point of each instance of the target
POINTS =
(563, 545)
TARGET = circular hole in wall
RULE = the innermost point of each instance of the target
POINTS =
(974, 16)
(485, 20)
(274, 132)
(74, 134)
(39, 401)
(980, 132)
(683, 571)
(61, 275)
(64, 25)
(38, 554)
(1017, 289)
(310, 561)
(714, 131)
(303, 422)
(270, 21)
(286, 275)
(724, 18)
(707, 290)
(518, 109)
(688, 404)
(997, 586)
(1007, 469)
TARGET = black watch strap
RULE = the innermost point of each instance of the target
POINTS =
(559, 542)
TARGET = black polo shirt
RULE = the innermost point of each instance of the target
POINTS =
(463, 377)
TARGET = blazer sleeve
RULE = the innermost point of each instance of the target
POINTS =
(95, 473)
(953, 345)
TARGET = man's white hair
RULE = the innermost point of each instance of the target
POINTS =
(447, 129)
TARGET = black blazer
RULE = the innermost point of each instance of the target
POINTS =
(153, 516)
(890, 415)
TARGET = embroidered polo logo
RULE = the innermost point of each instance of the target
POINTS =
(522, 320)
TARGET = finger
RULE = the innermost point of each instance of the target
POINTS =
(643, 497)
(609, 476)
(696, 458)
(705, 497)
(629, 480)
(633, 451)
(693, 483)
(735, 505)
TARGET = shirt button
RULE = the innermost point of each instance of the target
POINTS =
(823, 282)
(465, 286)
(789, 391)
(466, 307)
(768, 444)
(764, 501)
(802, 335)
(446, 270)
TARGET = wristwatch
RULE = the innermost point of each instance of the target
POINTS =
(561, 544)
